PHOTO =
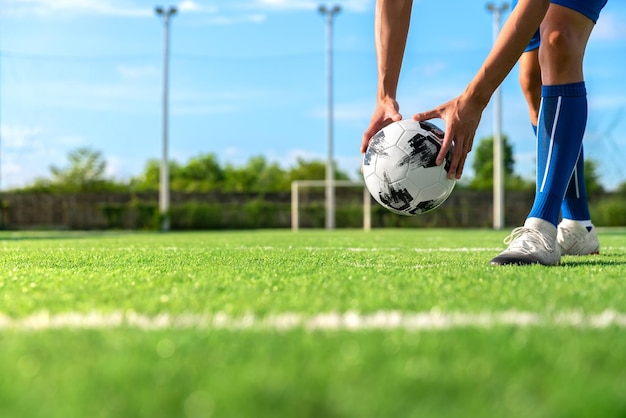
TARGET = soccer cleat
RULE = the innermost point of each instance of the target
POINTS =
(533, 243)
(575, 239)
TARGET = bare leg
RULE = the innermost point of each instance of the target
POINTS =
(530, 82)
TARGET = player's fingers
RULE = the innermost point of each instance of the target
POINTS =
(395, 118)
(452, 169)
(367, 136)
(430, 114)
(466, 148)
(447, 140)
(456, 161)
(369, 133)
(459, 168)
(445, 148)
(365, 141)
(443, 152)
(377, 126)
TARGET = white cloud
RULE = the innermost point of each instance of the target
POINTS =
(224, 20)
(33, 139)
(19, 137)
(294, 5)
(287, 4)
(17, 174)
(122, 168)
(29, 151)
(357, 5)
(192, 6)
(136, 9)
(231, 152)
(113, 8)
(50, 8)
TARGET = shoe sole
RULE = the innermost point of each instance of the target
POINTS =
(518, 260)
(596, 252)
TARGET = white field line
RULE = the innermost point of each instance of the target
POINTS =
(350, 321)
(388, 249)
(306, 248)
(375, 249)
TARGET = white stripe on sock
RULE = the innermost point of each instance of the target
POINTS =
(575, 173)
(554, 125)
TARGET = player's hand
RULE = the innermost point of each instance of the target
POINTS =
(386, 112)
(461, 116)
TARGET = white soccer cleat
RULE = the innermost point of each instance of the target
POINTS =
(575, 239)
(533, 243)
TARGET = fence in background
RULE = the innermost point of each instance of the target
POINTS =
(240, 210)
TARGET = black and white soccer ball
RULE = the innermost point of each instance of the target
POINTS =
(400, 171)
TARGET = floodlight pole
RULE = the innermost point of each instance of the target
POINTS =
(498, 154)
(329, 13)
(164, 179)
(1, 143)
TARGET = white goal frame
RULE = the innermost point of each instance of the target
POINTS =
(296, 185)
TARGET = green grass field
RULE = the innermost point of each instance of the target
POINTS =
(390, 323)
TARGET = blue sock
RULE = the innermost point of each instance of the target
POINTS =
(562, 122)
(575, 205)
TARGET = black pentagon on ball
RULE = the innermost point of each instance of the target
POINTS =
(395, 197)
(400, 168)
(423, 153)
(375, 147)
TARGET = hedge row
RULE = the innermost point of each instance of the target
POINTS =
(259, 213)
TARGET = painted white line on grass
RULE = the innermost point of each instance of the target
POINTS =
(372, 249)
(350, 321)
(426, 250)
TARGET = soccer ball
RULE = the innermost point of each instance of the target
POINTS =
(400, 171)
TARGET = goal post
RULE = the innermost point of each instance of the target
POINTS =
(296, 185)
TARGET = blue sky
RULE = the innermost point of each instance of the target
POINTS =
(248, 77)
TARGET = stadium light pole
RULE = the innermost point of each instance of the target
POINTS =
(329, 13)
(498, 154)
(164, 179)
(1, 143)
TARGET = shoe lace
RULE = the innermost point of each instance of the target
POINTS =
(530, 235)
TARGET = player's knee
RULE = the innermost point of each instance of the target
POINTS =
(561, 48)
(530, 81)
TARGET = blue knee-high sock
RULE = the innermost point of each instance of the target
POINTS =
(562, 122)
(575, 205)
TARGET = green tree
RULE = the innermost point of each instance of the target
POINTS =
(257, 176)
(200, 174)
(313, 170)
(204, 173)
(483, 167)
(85, 172)
(150, 179)
(592, 178)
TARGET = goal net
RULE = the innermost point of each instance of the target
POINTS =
(297, 185)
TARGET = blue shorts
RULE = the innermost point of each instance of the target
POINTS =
(589, 8)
